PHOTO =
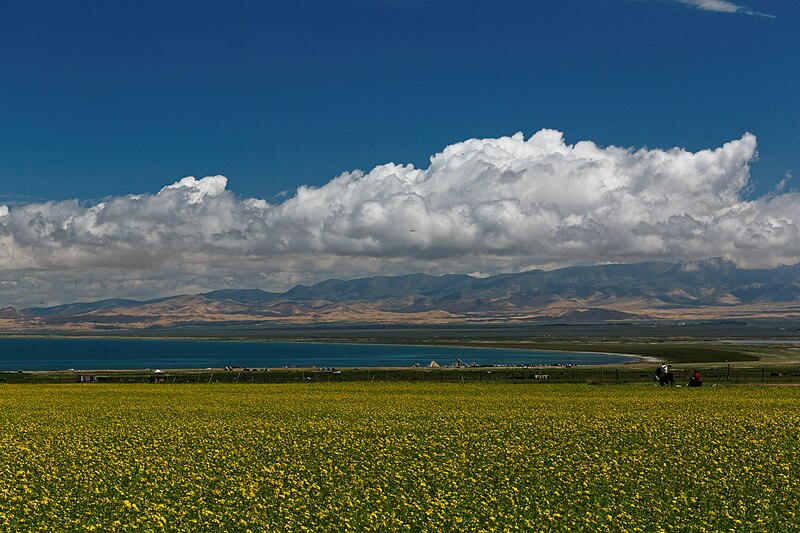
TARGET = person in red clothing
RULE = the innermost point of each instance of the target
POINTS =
(695, 381)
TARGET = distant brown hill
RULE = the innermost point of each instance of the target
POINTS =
(712, 288)
(9, 312)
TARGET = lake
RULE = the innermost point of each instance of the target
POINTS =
(96, 354)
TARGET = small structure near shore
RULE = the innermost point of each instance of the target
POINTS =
(92, 378)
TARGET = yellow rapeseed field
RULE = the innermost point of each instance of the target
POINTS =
(398, 457)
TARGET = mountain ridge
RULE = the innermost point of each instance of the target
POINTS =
(713, 288)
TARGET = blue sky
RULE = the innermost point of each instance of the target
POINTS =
(106, 98)
(156, 148)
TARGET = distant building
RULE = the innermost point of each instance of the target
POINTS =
(92, 378)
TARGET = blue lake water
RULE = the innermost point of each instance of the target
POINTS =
(97, 354)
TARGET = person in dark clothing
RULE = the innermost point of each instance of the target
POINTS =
(695, 380)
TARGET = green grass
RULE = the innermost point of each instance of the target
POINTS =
(714, 374)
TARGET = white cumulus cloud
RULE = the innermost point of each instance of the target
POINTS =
(482, 205)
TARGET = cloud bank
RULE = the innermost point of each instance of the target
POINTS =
(482, 205)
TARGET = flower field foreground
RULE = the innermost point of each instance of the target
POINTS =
(393, 457)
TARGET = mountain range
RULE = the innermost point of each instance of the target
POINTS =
(709, 289)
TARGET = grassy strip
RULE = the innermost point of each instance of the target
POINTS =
(634, 374)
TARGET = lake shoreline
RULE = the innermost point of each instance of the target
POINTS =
(56, 354)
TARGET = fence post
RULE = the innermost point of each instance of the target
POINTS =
(762, 373)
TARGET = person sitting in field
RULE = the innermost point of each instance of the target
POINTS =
(695, 381)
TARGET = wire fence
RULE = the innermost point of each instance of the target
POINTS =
(711, 374)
